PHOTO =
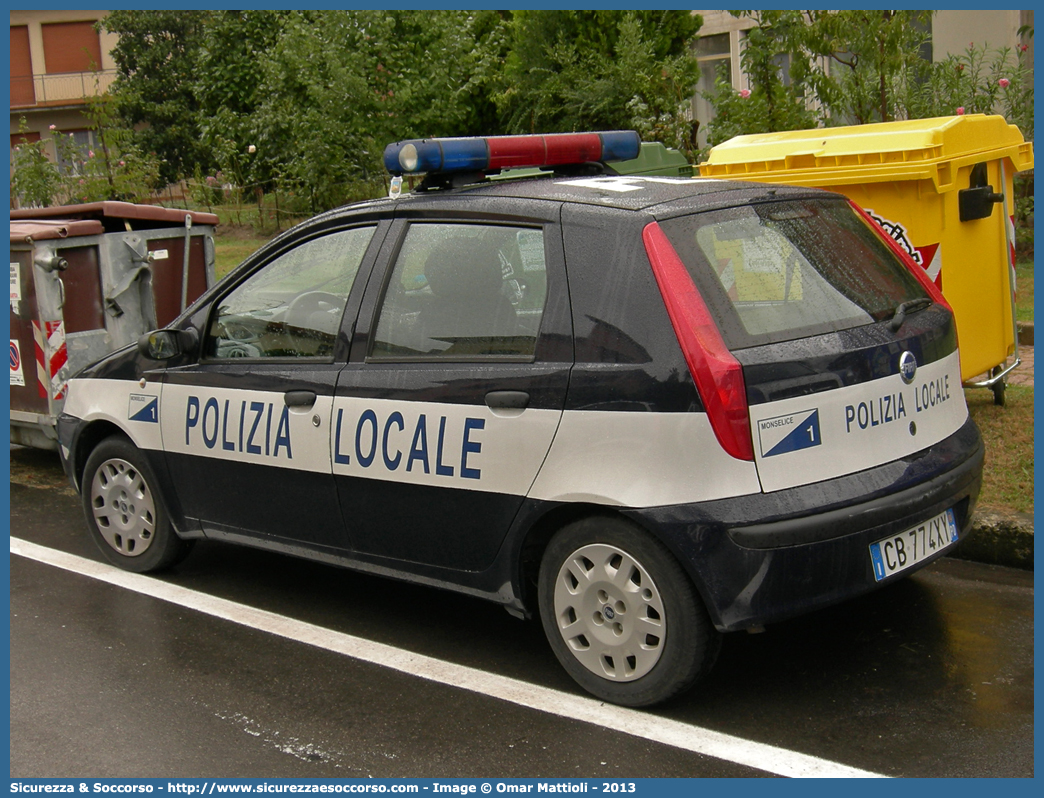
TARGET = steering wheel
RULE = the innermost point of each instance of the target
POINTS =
(315, 310)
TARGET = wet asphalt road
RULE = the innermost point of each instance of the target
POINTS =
(932, 676)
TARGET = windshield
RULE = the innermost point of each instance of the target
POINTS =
(779, 271)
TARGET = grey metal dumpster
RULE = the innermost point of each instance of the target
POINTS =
(87, 280)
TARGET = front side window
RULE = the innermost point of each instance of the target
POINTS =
(463, 291)
(786, 270)
(291, 307)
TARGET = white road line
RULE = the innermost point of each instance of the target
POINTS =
(768, 758)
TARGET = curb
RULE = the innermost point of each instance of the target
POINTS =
(1025, 329)
(999, 537)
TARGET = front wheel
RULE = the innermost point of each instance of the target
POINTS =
(621, 615)
(126, 517)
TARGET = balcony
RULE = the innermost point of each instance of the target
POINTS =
(66, 88)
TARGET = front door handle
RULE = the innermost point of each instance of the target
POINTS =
(302, 399)
(507, 400)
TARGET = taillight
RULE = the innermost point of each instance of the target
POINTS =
(921, 275)
(717, 374)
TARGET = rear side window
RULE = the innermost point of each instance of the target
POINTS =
(462, 291)
(779, 271)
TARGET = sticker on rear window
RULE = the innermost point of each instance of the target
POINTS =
(789, 433)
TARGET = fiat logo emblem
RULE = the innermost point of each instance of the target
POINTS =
(609, 613)
(907, 367)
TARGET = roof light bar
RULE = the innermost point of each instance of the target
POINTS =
(482, 154)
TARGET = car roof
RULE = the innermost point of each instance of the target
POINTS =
(622, 192)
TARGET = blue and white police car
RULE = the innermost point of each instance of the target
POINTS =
(648, 410)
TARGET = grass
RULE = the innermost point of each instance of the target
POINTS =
(237, 236)
(1008, 433)
(232, 245)
(1024, 292)
(230, 251)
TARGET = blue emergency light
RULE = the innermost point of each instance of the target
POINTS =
(489, 153)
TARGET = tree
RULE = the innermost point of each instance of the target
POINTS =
(35, 180)
(157, 56)
(583, 70)
(337, 86)
(117, 169)
(854, 67)
(230, 88)
(878, 61)
(980, 82)
(875, 69)
(784, 78)
(114, 169)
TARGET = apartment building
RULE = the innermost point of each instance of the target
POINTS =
(58, 58)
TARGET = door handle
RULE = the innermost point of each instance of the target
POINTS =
(303, 399)
(507, 400)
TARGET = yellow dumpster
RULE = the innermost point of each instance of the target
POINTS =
(933, 185)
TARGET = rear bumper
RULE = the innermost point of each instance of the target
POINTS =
(763, 558)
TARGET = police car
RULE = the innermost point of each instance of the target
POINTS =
(648, 410)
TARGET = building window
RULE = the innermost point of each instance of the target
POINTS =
(714, 54)
(29, 137)
(84, 142)
(71, 47)
(21, 67)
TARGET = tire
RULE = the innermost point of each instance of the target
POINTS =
(621, 615)
(125, 515)
(998, 389)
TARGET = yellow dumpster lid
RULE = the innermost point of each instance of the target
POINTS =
(893, 147)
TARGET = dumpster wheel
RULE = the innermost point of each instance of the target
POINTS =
(998, 387)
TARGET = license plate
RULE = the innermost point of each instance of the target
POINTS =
(897, 553)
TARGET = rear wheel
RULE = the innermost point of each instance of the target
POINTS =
(621, 615)
(126, 517)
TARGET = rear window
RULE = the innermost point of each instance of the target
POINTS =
(779, 271)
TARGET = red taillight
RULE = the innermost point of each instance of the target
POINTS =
(717, 374)
(904, 256)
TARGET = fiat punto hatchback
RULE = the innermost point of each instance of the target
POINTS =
(647, 410)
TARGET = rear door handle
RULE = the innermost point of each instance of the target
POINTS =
(507, 400)
(303, 399)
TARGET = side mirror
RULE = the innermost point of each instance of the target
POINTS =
(167, 344)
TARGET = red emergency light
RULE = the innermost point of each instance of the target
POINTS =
(490, 153)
